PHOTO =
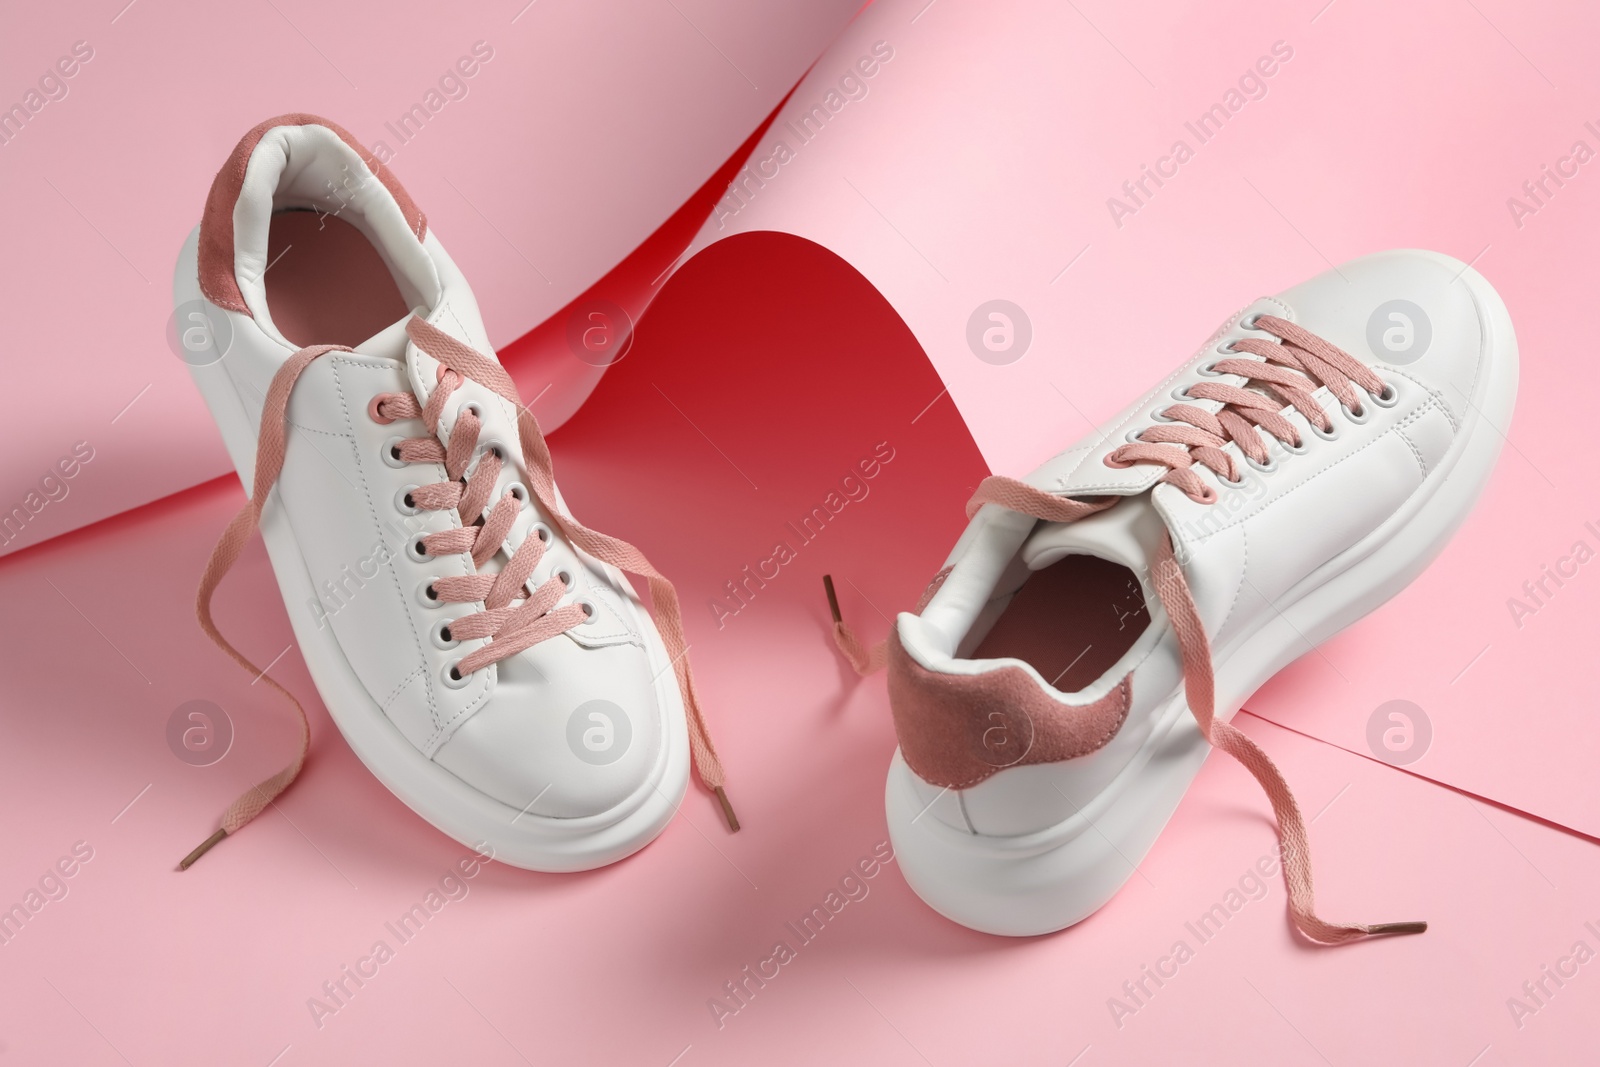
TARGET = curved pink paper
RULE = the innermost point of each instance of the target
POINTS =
(960, 154)
(586, 127)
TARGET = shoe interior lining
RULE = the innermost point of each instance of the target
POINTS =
(1072, 621)
(327, 284)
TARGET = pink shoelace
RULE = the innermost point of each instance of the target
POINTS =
(1290, 371)
(1199, 437)
(511, 626)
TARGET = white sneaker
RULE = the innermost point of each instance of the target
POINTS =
(478, 648)
(1053, 697)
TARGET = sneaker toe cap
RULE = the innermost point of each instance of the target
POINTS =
(568, 731)
(1406, 312)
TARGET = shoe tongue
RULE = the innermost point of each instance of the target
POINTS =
(390, 341)
(456, 314)
(1128, 533)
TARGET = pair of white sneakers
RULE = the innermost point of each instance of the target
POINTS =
(1095, 627)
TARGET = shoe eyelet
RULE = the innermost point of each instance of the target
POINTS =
(1180, 393)
(452, 677)
(477, 469)
(1357, 417)
(1265, 468)
(541, 531)
(566, 578)
(469, 406)
(374, 414)
(442, 638)
(416, 551)
(403, 502)
(1299, 449)
(1326, 435)
(1208, 496)
(391, 452)
(1249, 323)
(1209, 370)
(1160, 415)
(518, 492)
(1388, 398)
(589, 611)
(1132, 437)
(427, 595)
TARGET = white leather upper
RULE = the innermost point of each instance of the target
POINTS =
(309, 168)
(1281, 531)
(541, 731)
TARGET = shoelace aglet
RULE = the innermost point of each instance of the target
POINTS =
(1379, 929)
(727, 809)
(833, 597)
(865, 661)
(201, 849)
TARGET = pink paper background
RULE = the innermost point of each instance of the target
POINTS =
(1388, 127)
(764, 370)
(589, 126)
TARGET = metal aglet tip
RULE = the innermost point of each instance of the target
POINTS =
(727, 810)
(200, 850)
(833, 597)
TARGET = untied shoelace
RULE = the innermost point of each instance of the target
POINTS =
(511, 626)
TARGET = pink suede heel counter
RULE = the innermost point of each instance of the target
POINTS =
(217, 280)
(957, 730)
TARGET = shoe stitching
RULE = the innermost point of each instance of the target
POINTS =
(1422, 464)
(1258, 508)
(377, 524)
(1435, 395)
(1238, 589)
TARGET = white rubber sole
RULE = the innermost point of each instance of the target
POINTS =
(534, 842)
(1047, 880)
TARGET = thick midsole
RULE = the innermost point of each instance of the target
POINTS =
(1349, 587)
(444, 800)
